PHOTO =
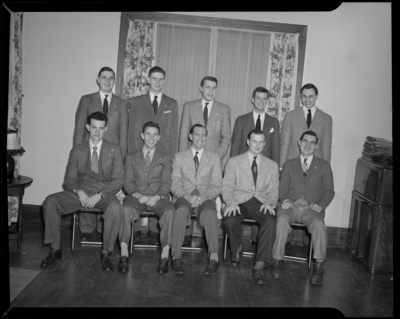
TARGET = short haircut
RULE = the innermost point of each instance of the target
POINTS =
(197, 125)
(151, 124)
(209, 78)
(309, 86)
(106, 68)
(260, 89)
(256, 132)
(156, 69)
(98, 116)
(312, 133)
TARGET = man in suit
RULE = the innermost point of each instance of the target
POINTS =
(95, 173)
(196, 183)
(147, 183)
(215, 116)
(257, 119)
(117, 127)
(250, 188)
(157, 107)
(305, 190)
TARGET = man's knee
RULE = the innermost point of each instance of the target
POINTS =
(282, 223)
(230, 222)
(318, 225)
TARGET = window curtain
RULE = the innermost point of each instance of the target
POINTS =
(15, 99)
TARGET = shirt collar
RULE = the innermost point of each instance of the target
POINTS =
(309, 160)
(203, 103)
(159, 97)
(145, 150)
(98, 146)
(313, 109)
(251, 158)
(199, 154)
(255, 115)
(102, 96)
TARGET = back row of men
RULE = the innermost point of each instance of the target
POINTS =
(249, 187)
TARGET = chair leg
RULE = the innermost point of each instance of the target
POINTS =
(132, 229)
(73, 232)
(310, 254)
(225, 245)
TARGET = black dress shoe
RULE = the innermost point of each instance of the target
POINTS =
(318, 274)
(154, 238)
(236, 258)
(212, 268)
(86, 236)
(162, 267)
(106, 262)
(258, 276)
(123, 264)
(176, 266)
(276, 268)
(187, 241)
(55, 254)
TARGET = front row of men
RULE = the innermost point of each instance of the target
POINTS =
(250, 189)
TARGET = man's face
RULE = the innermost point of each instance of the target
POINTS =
(96, 129)
(106, 81)
(156, 82)
(256, 144)
(198, 138)
(308, 98)
(208, 90)
(150, 136)
(308, 145)
(260, 101)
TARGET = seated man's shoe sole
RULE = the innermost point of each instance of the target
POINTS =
(258, 276)
(123, 265)
(106, 262)
(212, 268)
(154, 238)
(162, 267)
(176, 266)
(55, 255)
(276, 269)
(236, 258)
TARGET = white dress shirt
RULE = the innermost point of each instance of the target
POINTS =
(209, 106)
(262, 118)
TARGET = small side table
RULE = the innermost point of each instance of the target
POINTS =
(16, 187)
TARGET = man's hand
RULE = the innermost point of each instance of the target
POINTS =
(151, 201)
(193, 200)
(82, 197)
(232, 208)
(92, 201)
(142, 199)
(287, 204)
(315, 208)
(268, 208)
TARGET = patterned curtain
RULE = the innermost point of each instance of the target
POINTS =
(15, 99)
(282, 81)
(139, 58)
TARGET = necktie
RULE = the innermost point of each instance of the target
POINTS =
(254, 170)
(105, 105)
(148, 160)
(309, 118)
(95, 161)
(155, 105)
(205, 114)
(305, 167)
(258, 123)
(196, 161)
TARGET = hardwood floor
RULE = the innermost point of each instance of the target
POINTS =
(78, 281)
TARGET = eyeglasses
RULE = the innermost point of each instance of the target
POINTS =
(306, 142)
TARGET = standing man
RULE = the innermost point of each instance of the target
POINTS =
(95, 173)
(305, 190)
(196, 183)
(147, 183)
(117, 113)
(250, 189)
(157, 107)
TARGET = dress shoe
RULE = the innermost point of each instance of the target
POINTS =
(236, 258)
(176, 266)
(187, 241)
(136, 235)
(106, 262)
(276, 268)
(318, 273)
(123, 264)
(86, 236)
(258, 276)
(154, 238)
(212, 268)
(162, 267)
(55, 254)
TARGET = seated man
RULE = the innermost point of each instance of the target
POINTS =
(196, 182)
(305, 190)
(147, 184)
(95, 173)
(250, 187)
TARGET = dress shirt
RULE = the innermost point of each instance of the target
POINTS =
(199, 154)
(262, 118)
(152, 95)
(309, 160)
(251, 158)
(103, 96)
(98, 149)
(209, 106)
(313, 109)
(145, 150)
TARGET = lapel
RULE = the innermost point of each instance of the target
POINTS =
(214, 112)
(198, 113)
(298, 166)
(113, 106)
(204, 161)
(188, 158)
(97, 101)
(312, 169)
(156, 157)
(87, 158)
(249, 123)
(246, 167)
(262, 170)
(104, 157)
(139, 157)
(317, 118)
(162, 106)
(301, 119)
(148, 105)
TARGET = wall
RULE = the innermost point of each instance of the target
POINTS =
(348, 57)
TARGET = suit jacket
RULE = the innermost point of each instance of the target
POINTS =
(111, 169)
(207, 181)
(295, 124)
(244, 124)
(238, 183)
(218, 126)
(117, 126)
(167, 118)
(316, 186)
(155, 181)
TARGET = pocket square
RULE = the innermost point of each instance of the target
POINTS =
(167, 111)
(271, 130)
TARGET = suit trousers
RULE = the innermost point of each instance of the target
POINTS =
(207, 214)
(132, 209)
(67, 202)
(314, 222)
(266, 235)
